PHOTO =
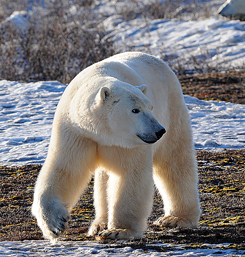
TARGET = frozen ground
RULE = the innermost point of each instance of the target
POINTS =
(43, 248)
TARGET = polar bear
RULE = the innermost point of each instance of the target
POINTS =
(123, 119)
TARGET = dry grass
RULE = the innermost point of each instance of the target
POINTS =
(168, 9)
(56, 46)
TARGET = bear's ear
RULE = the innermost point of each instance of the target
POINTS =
(104, 93)
(143, 88)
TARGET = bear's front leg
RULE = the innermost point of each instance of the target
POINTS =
(176, 178)
(177, 184)
(60, 183)
(129, 194)
(175, 167)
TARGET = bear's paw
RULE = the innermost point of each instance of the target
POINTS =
(96, 228)
(52, 218)
(57, 224)
(173, 222)
(118, 234)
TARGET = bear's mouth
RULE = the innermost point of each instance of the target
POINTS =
(148, 139)
(152, 138)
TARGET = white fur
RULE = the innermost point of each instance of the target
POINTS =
(232, 8)
(105, 123)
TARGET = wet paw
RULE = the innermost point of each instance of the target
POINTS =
(173, 222)
(117, 234)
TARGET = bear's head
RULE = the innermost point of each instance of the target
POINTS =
(124, 116)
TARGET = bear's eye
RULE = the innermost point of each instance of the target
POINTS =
(135, 111)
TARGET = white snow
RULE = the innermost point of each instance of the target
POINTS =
(216, 124)
(212, 42)
(27, 109)
(44, 248)
(18, 19)
(217, 43)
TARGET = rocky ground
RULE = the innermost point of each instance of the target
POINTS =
(221, 186)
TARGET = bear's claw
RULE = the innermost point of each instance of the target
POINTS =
(58, 225)
(96, 228)
(173, 222)
(116, 234)
(64, 219)
(54, 232)
(62, 226)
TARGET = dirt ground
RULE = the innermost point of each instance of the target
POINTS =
(221, 187)
(229, 87)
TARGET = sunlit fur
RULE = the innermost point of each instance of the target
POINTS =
(95, 132)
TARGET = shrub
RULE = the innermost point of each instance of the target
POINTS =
(56, 46)
(168, 9)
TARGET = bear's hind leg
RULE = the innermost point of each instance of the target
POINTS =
(176, 178)
(175, 166)
(100, 202)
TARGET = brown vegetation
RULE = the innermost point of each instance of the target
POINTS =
(222, 192)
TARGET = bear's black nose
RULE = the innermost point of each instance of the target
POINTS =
(160, 133)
